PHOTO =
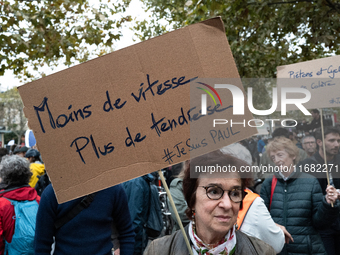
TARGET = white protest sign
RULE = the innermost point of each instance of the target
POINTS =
(321, 77)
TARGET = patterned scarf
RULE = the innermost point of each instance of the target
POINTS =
(226, 246)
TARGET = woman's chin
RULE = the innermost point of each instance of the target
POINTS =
(223, 225)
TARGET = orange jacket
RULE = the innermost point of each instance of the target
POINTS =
(247, 202)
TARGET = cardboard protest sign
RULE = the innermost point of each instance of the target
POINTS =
(125, 114)
(320, 77)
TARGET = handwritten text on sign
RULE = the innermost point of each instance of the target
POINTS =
(160, 125)
(321, 77)
(113, 118)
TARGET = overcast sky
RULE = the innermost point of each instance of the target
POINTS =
(135, 10)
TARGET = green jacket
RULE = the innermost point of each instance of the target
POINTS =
(299, 205)
(175, 245)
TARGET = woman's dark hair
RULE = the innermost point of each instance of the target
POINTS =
(280, 132)
(15, 170)
(12, 147)
(3, 152)
(211, 159)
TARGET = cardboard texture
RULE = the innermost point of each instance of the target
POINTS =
(320, 77)
(229, 127)
(93, 122)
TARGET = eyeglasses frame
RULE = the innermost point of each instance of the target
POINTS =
(206, 192)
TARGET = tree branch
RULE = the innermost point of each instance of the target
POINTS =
(284, 2)
(333, 6)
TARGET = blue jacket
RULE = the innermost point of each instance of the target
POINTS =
(138, 193)
(318, 161)
(299, 205)
(260, 145)
(89, 232)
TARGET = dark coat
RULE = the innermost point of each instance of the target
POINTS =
(299, 205)
(138, 194)
(317, 159)
(175, 245)
(89, 232)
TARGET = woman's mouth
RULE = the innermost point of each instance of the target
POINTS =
(223, 218)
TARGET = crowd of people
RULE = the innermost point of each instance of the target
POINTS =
(295, 211)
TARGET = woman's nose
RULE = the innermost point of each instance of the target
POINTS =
(225, 201)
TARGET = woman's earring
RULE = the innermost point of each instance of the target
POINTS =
(193, 217)
(236, 226)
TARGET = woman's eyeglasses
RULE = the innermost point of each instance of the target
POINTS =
(215, 192)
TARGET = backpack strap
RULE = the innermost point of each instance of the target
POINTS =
(84, 203)
(274, 181)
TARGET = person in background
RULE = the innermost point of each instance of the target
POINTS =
(12, 148)
(294, 138)
(266, 160)
(254, 218)
(331, 235)
(3, 152)
(239, 151)
(316, 122)
(309, 145)
(176, 190)
(173, 172)
(20, 151)
(265, 140)
(15, 175)
(295, 200)
(22, 140)
(89, 232)
(260, 144)
(253, 151)
(213, 206)
(115, 240)
(138, 197)
(42, 183)
(245, 144)
(37, 168)
(11, 142)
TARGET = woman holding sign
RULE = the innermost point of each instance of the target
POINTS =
(213, 204)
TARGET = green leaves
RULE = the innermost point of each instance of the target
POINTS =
(33, 33)
(262, 34)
